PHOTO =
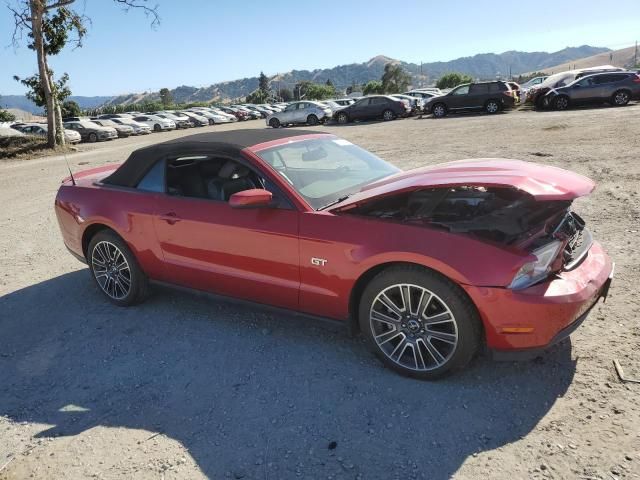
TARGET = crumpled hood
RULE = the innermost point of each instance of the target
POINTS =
(543, 182)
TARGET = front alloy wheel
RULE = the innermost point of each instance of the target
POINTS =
(561, 103)
(439, 110)
(343, 118)
(418, 322)
(388, 115)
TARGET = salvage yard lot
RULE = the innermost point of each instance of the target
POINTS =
(186, 387)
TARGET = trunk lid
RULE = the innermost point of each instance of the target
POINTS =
(91, 175)
(542, 182)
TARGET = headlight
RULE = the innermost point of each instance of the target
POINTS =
(532, 272)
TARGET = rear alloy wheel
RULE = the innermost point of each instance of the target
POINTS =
(561, 102)
(115, 269)
(439, 110)
(419, 323)
(93, 137)
(621, 98)
(274, 123)
(312, 120)
(157, 127)
(343, 118)
(492, 106)
(388, 115)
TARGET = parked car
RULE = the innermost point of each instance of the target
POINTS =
(239, 114)
(533, 82)
(537, 95)
(218, 111)
(6, 131)
(138, 127)
(92, 132)
(434, 90)
(416, 103)
(307, 112)
(123, 130)
(212, 118)
(491, 97)
(431, 264)
(616, 88)
(109, 116)
(41, 129)
(373, 107)
(515, 88)
(196, 119)
(339, 102)
(252, 114)
(156, 123)
(181, 121)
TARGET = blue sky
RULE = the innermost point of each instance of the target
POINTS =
(200, 42)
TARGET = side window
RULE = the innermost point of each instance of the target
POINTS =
(291, 107)
(153, 181)
(463, 90)
(378, 100)
(363, 103)
(478, 88)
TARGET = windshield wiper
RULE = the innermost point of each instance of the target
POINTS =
(335, 202)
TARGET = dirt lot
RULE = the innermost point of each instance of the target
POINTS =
(184, 387)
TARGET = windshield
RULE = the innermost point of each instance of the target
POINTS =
(325, 170)
(558, 80)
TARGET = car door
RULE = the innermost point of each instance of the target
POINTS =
(249, 253)
(300, 113)
(477, 96)
(360, 109)
(457, 98)
(585, 90)
(287, 115)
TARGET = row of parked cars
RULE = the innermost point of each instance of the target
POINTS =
(604, 84)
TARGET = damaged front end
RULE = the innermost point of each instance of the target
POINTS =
(553, 235)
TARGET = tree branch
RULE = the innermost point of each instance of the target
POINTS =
(150, 12)
(21, 20)
(60, 3)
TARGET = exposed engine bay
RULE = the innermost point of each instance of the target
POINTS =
(504, 215)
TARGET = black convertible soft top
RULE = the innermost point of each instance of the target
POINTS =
(228, 143)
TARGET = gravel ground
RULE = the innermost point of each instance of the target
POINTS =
(186, 387)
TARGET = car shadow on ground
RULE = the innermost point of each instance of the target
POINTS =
(250, 393)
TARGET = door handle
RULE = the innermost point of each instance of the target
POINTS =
(171, 218)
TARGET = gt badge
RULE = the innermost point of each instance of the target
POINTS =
(318, 262)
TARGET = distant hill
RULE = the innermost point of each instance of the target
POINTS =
(481, 66)
(23, 103)
(618, 58)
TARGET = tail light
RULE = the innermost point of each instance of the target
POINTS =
(637, 79)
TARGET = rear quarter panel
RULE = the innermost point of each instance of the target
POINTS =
(126, 211)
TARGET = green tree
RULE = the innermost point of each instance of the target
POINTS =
(165, 97)
(453, 79)
(49, 25)
(329, 83)
(257, 96)
(59, 90)
(286, 95)
(394, 79)
(373, 87)
(318, 91)
(71, 109)
(6, 116)
(263, 82)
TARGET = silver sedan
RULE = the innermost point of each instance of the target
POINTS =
(305, 112)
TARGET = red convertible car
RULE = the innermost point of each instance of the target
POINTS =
(431, 264)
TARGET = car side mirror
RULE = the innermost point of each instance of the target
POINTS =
(254, 198)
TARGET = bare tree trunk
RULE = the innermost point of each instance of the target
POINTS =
(59, 130)
(37, 13)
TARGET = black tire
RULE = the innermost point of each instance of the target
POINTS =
(492, 106)
(157, 127)
(93, 138)
(388, 115)
(620, 98)
(312, 120)
(561, 102)
(138, 282)
(463, 321)
(439, 110)
(212, 122)
(342, 118)
(274, 123)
